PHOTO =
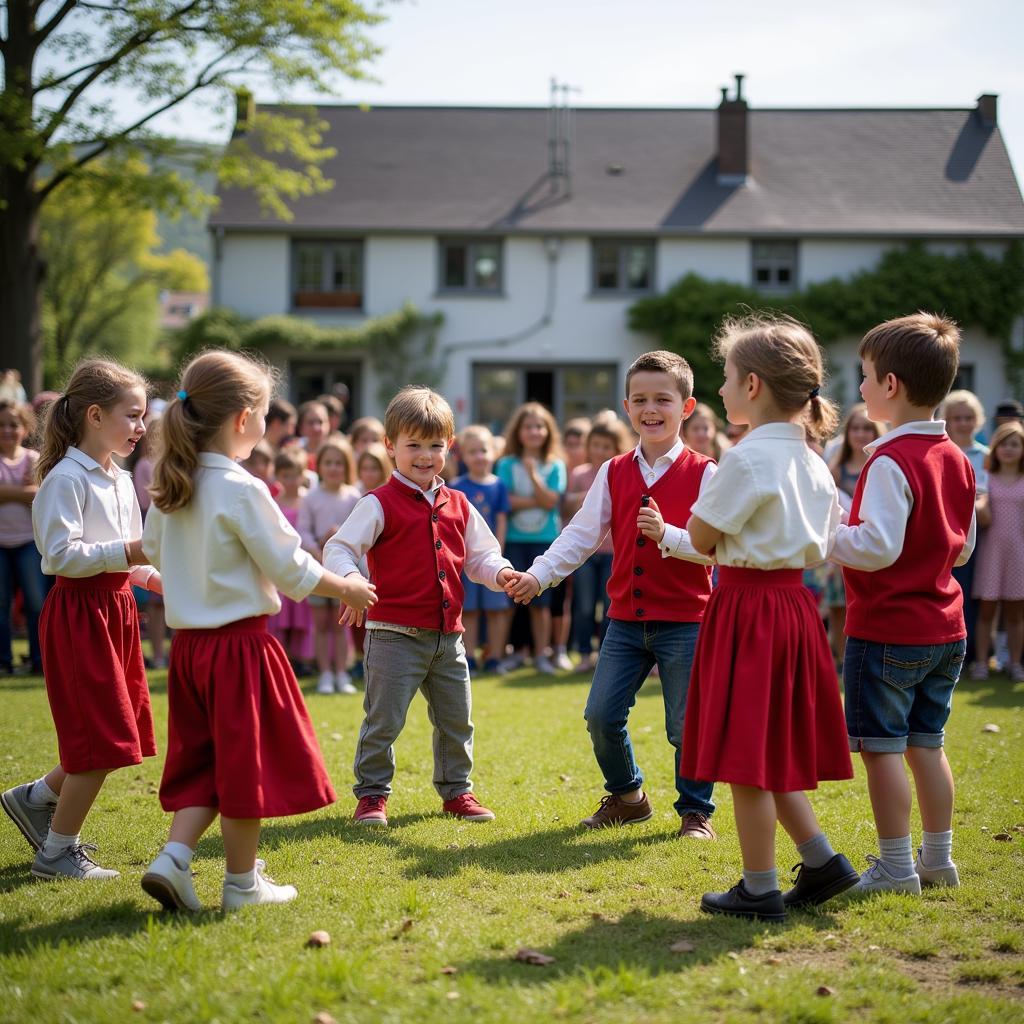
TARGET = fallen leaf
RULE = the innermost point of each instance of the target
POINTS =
(874, 949)
(824, 990)
(1003, 837)
(565, 778)
(452, 995)
(403, 928)
(774, 960)
(324, 1018)
(138, 1005)
(733, 955)
(1018, 828)
(336, 736)
(453, 846)
(318, 939)
(984, 828)
(682, 946)
(565, 895)
(532, 956)
(449, 970)
(991, 727)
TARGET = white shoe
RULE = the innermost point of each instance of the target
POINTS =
(170, 884)
(325, 684)
(563, 662)
(1017, 673)
(979, 670)
(878, 879)
(71, 862)
(945, 874)
(265, 890)
(343, 683)
(542, 664)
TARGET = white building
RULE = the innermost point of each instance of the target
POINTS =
(533, 231)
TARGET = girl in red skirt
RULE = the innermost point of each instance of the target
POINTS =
(88, 527)
(240, 743)
(763, 711)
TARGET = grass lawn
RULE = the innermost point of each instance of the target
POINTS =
(425, 918)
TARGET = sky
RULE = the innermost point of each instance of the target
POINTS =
(896, 53)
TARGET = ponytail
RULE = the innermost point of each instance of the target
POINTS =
(822, 418)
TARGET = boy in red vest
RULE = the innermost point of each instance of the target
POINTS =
(418, 537)
(911, 522)
(655, 604)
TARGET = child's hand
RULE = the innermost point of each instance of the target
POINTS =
(134, 554)
(507, 578)
(350, 617)
(360, 593)
(649, 521)
(525, 589)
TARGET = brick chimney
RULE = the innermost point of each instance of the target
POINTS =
(733, 134)
(986, 109)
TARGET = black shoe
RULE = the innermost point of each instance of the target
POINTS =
(815, 885)
(737, 902)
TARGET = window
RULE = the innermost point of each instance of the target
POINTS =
(964, 378)
(623, 266)
(327, 275)
(775, 266)
(470, 265)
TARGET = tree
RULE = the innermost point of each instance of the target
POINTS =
(57, 117)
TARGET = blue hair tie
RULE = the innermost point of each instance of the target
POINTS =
(810, 397)
(183, 394)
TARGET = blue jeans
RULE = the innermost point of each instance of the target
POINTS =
(21, 568)
(628, 653)
(589, 585)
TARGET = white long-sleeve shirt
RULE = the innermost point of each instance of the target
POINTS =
(83, 516)
(345, 551)
(227, 552)
(585, 531)
(886, 503)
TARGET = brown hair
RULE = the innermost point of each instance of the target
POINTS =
(281, 410)
(552, 446)
(922, 350)
(992, 463)
(338, 443)
(612, 431)
(662, 361)
(217, 385)
(94, 382)
(379, 454)
(333, 405)
(292, 458)
(420, 412)
(781, 352)
(845, 452)
(579, 425)
(365, 424)
(22, 411)
(306, 408)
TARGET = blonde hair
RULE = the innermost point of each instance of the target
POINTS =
(963, 397)
(552, 446)
(845, 452)
(365, 425)
(337, 443)
(479, 431)
(719, 443)
(22, 412)
(420, 412)
(610, 430)
(99, 382)
(217, 385)
(992, 463)
(291, 459)
(379, 454)
(781, 352)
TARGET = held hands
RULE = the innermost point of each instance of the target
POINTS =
(522, 587)
(649, 521)
(359, 595)
(134, 554)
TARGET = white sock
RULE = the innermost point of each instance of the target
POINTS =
(757, 883)
(937, 849)
(40, 793)
(56, 844)
(243, 879)
(897, 856)
(179, 853)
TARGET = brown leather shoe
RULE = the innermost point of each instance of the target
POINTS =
(696, 826)
(615, 811)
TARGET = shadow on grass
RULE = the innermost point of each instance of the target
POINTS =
(995, 692)
(16, 876)
(636, 942)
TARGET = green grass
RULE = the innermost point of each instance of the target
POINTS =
(432, 893)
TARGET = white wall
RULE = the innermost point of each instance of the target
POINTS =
(252, 274)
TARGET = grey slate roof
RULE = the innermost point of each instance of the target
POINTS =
(813, 172)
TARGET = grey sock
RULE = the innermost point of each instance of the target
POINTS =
(816, 852)
(897, 856)
(40, 793)
(757, 883)
(243, 879)
(937, 849)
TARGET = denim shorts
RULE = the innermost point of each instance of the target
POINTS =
(899, 695)
(478, 598)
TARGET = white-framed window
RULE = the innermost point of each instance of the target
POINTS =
(774, 266)
(622, 266)
(470, 265)
(327, 274)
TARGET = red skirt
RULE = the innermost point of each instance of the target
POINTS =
(763, 707)
(95, 676)
(239, 737)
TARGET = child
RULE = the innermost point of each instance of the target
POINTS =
(19, 560)
(239, 739)
(574, 442)
(488, 496)
(703, 432)
(261, 465)
(655, 605)
(534, 475)
(417, 536)
(88, 529)
(313, 427)
(1000, 572)
(281, 423)
(293, 624)
(765, 714)
(323, 510)
(911, 520)
(373, 467)
(365, 431)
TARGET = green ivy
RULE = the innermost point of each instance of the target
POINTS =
(974, 289)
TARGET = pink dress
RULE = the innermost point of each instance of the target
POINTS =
(294, 615)
(1000, 572)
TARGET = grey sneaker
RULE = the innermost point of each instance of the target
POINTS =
(73, 862)
(170, 884)
(264, 891)
(945, 874)
(32, 819)
(878, 879)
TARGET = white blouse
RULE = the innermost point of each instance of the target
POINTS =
(83, 516)
(224, 554)
(774, 500)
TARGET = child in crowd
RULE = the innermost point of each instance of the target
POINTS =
(417, 536)
(590, 580)
(323, 510)
(487, 494)
(313, 427)
(282, 421)
(574, 442)
(703, 432)
(1000, 573)
(293, 624)
(88, 527)
(335, 412)
(240, 743)
(20, 567)
(365, 431)
(373, 467)
(534, 476)
(911, 521)
(765, 713)
(656, 605)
